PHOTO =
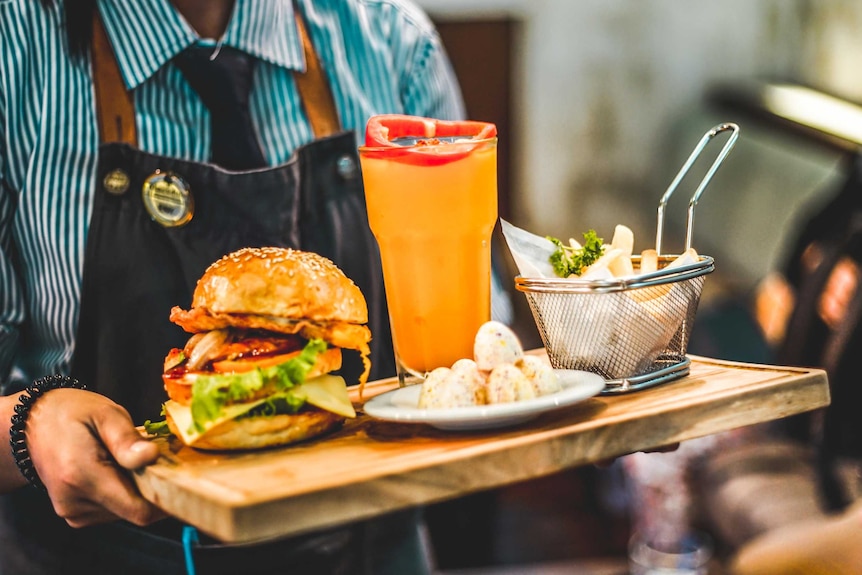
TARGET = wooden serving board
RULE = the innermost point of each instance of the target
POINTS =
(371, 467)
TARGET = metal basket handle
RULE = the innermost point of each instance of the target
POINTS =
(703, 183)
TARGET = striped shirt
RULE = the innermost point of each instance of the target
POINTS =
(382, 56)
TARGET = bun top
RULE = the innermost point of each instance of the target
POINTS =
(280, 282)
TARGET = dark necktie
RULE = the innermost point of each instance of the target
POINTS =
(223, 84)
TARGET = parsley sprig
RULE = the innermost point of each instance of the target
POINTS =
(574, 258)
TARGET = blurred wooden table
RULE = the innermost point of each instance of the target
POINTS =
(610, 566)
(372, 467)
(580, 567)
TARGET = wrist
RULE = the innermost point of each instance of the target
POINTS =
(18, 423)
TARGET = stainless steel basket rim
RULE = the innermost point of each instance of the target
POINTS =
(664, 369)
(704, 265)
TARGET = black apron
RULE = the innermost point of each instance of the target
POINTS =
(136, 269)
(138, 264)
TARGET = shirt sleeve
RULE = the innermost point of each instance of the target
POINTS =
(11, 301)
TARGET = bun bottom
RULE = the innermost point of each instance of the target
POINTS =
(265, 431)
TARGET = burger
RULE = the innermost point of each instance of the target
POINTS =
(268, 326)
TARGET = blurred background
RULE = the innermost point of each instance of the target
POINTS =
(601, 101)
(598, 105)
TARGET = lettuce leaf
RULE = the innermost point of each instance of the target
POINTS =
(211, 393)
(157, 428)
(288, 402)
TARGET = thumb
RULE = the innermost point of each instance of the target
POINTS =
(137, 454)
(123, 441)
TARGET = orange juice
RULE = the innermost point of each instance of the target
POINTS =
(433, 218)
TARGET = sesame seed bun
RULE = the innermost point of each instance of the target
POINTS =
(264, 431)
(280, 282)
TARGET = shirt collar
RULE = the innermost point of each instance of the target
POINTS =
(266, 29)
(147, 34)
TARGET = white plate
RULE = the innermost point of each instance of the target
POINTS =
(401, 405)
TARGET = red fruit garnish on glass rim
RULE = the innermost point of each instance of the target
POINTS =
(383, 132)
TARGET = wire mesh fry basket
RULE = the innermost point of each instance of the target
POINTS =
(633, 331)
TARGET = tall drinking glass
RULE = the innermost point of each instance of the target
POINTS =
(431, 191)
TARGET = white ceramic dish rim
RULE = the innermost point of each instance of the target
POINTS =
(400, 405)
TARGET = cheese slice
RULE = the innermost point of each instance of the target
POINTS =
(182, 416)
(327, 392)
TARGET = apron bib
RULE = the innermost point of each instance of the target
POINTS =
(136, 269)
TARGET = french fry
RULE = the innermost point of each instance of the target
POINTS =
(621, 266)
(649, 261)
(654, 293)
(689, 256)
(600, 269)
(624, 240)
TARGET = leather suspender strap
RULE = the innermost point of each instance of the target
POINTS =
(314, 90)
(114, 106)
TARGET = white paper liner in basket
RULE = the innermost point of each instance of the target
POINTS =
(614, 344)
(617, 334)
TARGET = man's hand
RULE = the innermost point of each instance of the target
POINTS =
(818, 546)
(82, 445)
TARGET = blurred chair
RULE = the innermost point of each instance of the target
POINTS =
(810, 312)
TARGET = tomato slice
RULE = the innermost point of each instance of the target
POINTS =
(247, 364)
(383, 131)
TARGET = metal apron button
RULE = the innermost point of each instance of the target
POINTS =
(168, 199)
(116, 182)
(346, 167)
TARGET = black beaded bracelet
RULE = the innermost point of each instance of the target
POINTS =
(17, 436)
